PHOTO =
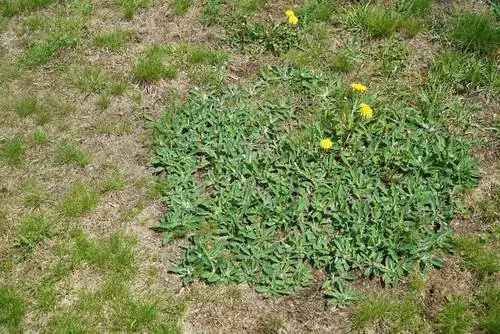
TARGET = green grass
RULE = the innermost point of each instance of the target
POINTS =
(489, 303)
(151, 67)
(34, 227)
(488, 207)
(90, 80)
(113, 40)
(460, 73)
(207, 76)
(39, 137)
(68, 153)
(315, 10)
(79, 200)
(394, 56)
(33, 194)
(129, 7)
(180, 7)
(27, 105)
(477, 32)
(478, 255)
(397, 315)
(244, 154)
(455, 318)
(13, 7)
(113, 255)
(376, 20)
(199, 55)
(11, 150)
(414, 7)
(11, 309)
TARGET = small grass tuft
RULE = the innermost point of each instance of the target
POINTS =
(12, 150)
(81, 199)
(455, 318)
(129, 7)
(414, 7)
(113, 40)
(10, 8)
(271, 325)
(27, 105)
(478, 255)
(378, 21)
(316, 10)
(114, 255)
(477, 32)
(33, 194)
(200, 55)
(180, 7)
(67, 153)
(34, 228)
(11, 309)
(151, 67)
(399, 315)
(39, 137)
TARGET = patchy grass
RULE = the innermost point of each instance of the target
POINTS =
(455, 318)
(151, 67)
(11, 309)
(477, 32)
(479, 255)
(76, 250)
(113, 40)
(393, 315)
(180, 7)
(129, 7)
(12, 150)
(14, 7)
(375, 20)
(68, 153)
(79, 200)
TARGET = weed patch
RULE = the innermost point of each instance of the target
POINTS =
(263, 202)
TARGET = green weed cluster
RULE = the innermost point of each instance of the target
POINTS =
(262, 202)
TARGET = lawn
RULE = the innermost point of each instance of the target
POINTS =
(249, 166)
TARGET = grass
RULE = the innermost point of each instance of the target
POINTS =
(129, 7)
(80, 199)
(113, 40)
(114, 255)
(11, 309)
(12, 150)
(476, 32)
(463, 73)
(14, 7)
(454, 318)
(33, 194)
(315, 10)
(242, 100)
(180, 7)
(375, 20)
(39, 137)
(478, 255)
(68, 153)
(27, 105)
(33, 229)
(151, 67)
(395, 315)
(414, 7)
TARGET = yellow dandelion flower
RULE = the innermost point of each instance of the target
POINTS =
(366, 110)
(293, 20)
(357, 87)
(326, 144)
(289, 13)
